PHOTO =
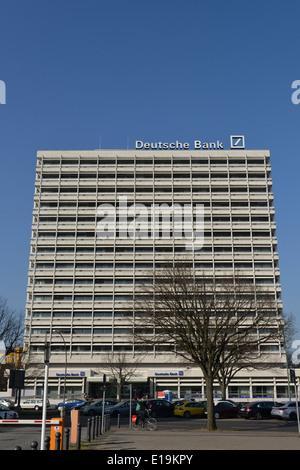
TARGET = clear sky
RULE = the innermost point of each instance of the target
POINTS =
(78, 73)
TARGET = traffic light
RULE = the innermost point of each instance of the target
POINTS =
(16, 378)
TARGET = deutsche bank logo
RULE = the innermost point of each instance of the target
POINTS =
(237, 141)
(2, 92)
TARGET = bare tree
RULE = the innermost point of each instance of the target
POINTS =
(213, 324)
(249, 358)
(11, 326)
(122, 368)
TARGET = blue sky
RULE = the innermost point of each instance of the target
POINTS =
(77, 72)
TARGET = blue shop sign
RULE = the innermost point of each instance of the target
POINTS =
(72, 374)
(169, 374)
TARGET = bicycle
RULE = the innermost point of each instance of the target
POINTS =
(149, 423)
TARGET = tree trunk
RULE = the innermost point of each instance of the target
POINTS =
(119, 388)
(211, 422)
(223, 389)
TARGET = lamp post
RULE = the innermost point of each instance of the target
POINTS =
(46, 361)
(65, 346)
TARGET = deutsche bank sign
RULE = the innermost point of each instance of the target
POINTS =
(236, 142)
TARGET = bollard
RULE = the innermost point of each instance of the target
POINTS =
(47, 443)
(57, 440)
(34, 445)
(118, 420)
(100, 424)
(93, 427)
(97, 426)
(107, 423)
(78, 443)
(67, 439)
(17, 448)
(89, 429)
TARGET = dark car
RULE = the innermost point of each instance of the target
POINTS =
(258, 409)
(122, 408)
(226, 409)
(94, 408)
(161, 408)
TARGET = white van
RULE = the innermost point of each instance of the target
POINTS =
(33, 403)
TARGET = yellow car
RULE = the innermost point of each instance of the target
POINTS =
(187, 409)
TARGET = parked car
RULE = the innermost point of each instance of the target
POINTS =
(69, 404)
(258, 410)
(9, 403)
(95, 407)
(178, 402)
(6, 413)
(161, 408)
(122, 408)
(226, 409)
(286, 411)
(80, 405)
(33, 404)
(189, 409)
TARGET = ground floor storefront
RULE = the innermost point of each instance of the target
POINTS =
(83, 382)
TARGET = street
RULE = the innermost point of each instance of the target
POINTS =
(22, 435)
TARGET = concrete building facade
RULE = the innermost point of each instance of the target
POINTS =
(80, 281)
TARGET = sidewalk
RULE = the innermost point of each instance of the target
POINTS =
(119, 439)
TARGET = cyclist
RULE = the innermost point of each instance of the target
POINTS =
(142, 409)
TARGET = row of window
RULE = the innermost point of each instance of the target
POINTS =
(98, 281)
(84, 331)
(144, 265)
(93, 204)
(143, 233)
(157, 160)
(216, 218)
(106, 297)
(95, 348)
(244, 392)
(165, 175)
(157, 249)
(117, 281)
(150, 189)
(101, 348)
(98, 315)
(109, 331)
(79, 314)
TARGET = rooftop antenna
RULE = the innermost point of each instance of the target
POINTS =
(100, 142)
(127, 143)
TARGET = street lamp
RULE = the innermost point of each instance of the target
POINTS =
(59, 333)
(46, 361)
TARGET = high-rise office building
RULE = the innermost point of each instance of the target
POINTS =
(83, 274)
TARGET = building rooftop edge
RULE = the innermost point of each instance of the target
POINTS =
(199, 151)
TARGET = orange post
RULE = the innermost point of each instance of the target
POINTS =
(54, 429)
(74, 425)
